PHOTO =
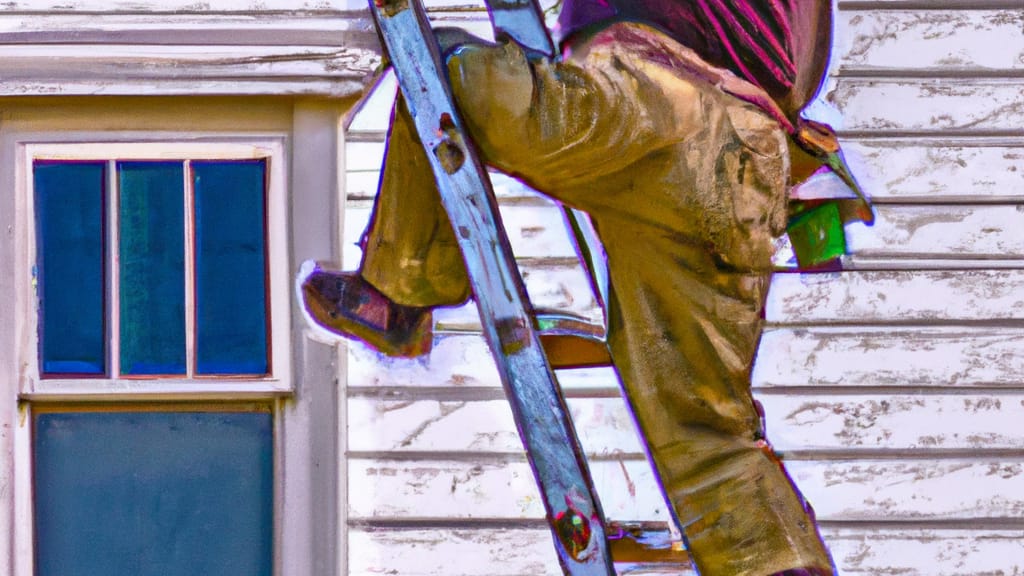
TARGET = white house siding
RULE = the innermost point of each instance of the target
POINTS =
(180, 47)
(894, 389)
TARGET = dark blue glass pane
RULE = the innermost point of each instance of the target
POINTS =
(152, 267)
(231, 291)
(69, 198)
(153, 494)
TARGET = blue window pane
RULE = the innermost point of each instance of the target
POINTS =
(69, 199)
(231, 291)
(152, 267)
(153, 493)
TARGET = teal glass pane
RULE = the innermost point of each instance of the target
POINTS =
(231, 268)
(152, 267)
(153, 493)
(69, 199)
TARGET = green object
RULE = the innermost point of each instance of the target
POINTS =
(816, 233)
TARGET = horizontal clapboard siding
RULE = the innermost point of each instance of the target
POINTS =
(893, 390)
(929, 106)
(170, 48)
(836, 424)
(941, 297)
(903, 358)
(929, 41)
(893, 170)
(516, 551)
(863, 489)
(851, 359)
(924, 232)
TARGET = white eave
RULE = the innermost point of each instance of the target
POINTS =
(326, 53)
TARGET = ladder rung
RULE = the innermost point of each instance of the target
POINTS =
(647, 549)
(647, 569)
(574, 351)
(571, 341)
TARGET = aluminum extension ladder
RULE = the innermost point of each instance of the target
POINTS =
(508, 320)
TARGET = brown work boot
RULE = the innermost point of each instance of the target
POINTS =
(346, 304)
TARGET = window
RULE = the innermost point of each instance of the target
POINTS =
(288, 413)
(153, 267)
(157, 345)
(153, 490)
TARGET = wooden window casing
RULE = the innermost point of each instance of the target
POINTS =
(38, 385)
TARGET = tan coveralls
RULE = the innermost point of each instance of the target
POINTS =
(687, 187)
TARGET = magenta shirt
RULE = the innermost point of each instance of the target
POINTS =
(752, 38)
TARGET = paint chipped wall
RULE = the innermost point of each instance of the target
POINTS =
(893, 389)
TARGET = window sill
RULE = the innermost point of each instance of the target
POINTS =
(111, 390)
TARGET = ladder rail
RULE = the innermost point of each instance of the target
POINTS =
(523, 21)
(506, 315)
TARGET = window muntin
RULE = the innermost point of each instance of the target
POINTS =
(235, 269)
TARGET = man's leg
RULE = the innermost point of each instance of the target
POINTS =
(686, 372)
(409, 249)
(411, 259)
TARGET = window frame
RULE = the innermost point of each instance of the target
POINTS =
(54, 393)
(34, 386)
(27, 510)
(310, 490)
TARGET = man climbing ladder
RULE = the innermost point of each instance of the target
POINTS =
(442, 148)
(669, 122)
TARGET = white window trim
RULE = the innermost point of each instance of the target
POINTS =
(33, 387)
(310, 494)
